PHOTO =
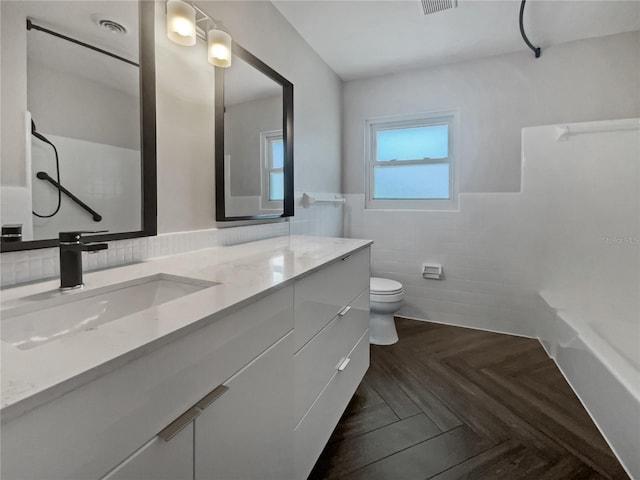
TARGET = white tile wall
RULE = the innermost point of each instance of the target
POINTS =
(18, 267)
(106, 177)
(324, 220)
(587, 189)
(500, 249)
(487, 283)
(30, 265)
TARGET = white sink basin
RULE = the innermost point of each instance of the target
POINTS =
(66, 314)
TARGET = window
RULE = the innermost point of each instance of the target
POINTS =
(410, 163)
(272, 169)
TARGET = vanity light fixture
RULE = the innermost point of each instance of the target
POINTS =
(219, 48)
(181, 23)
(182, 28)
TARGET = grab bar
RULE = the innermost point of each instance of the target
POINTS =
(45, 176)
(564, 131)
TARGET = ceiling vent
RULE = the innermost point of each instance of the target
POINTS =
(433, 6)
(109, 25)
(113, 27)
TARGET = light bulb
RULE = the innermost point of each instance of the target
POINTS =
(219, 52)
(182, 26)
(181, 22)
(219, 44)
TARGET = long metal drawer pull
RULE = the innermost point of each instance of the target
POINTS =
(211, 397)
(190, 415)
(179, 424)
(344, 258)
(344, 311)
(344, 364)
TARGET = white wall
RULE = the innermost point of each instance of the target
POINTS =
(260, 28)
(184, 88)
(496, 97)
(105, 177)
(13, 94)
(490, 248)
(185, 111)
(185, 138)
(243, 124)
(75, 106)
(185, 126)
(95, 127)
(583, 194)
(587, 192)
(65, 104)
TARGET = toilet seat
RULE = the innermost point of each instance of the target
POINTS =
(384, 290)
(384, 286)
(396, 297)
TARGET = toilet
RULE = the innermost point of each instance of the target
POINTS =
(385, 299)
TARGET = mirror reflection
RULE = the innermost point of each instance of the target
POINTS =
(85, 120)
(253, 142)
(83, 154)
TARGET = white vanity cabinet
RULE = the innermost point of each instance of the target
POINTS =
(242, 429)
(159, 460)
(252, 394)
(332, 351)
(247, 433)
(93, 430)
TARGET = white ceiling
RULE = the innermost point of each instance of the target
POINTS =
(78, 19)
(366, 38)
(77, 61)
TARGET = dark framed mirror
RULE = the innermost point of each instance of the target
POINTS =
(254, 140)
(91, 105)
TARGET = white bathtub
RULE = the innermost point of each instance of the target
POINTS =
(599, 355)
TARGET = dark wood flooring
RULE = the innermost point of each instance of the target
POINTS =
(449, 403)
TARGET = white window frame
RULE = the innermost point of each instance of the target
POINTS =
(266, 160)
(450, 118)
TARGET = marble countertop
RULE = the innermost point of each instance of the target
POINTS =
(246, 272)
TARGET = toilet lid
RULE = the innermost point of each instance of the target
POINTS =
(384, 286)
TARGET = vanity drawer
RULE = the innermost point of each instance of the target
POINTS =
(90, 430)
(316, 362)
(320, 296)
(313, 432)
(159, 460)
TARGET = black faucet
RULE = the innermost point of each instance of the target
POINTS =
(71, 248)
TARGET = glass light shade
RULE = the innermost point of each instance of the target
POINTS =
(181, 23)
(219, 48)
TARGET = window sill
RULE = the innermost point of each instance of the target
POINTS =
(413, 205)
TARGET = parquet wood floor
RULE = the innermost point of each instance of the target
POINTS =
(450, 403)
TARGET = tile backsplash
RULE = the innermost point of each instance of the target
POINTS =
(30, 265)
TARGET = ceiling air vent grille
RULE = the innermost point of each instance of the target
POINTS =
(111, 26)
(433, 6)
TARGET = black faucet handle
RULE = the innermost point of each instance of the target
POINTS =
(74, 237)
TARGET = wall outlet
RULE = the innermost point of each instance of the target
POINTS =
(432, 271)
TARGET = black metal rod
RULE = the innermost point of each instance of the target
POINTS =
(45, 176)
(33, 26)
(536, 50)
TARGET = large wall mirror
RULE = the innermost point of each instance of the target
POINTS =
(254, 140)
(90, 131)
